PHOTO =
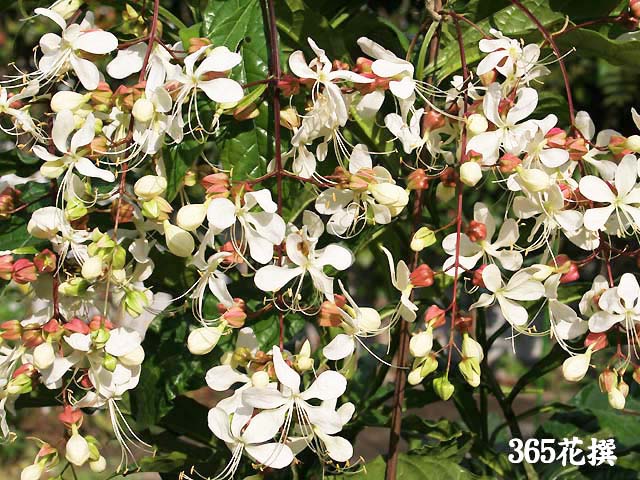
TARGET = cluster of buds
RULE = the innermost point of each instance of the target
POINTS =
(24, 271)
(421, 344)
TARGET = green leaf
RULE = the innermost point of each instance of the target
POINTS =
(595, 44)
(179, 159)
(243, 147)
(546, 364)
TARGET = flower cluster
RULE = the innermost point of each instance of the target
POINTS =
(113, 207)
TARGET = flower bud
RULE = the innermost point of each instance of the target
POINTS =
(634, 7)
(471, 348)
(508, 163)
(470, 173)
(596, 341)
(476, 124)
(533, 180)
(66, 8)
(216, 185)
(24, 271)
(190, 217)
(10, 330)
(422, 276)
(369, 320)
(260, 379)
(289, 118)
(43, 356)
(20, 384)
(202, 340)
(77, 449)
(418, 180)
(389, 194)
(423, 238)
(179, 241)
(68, 100)
(99, 465)
(6, 266)
(623, 387)
(616, 399)
(32, 472)
(70, 416)
(470, 370)
(414, 377)
(434, 316)
(133, 358)
(429, 365)
(92, 268)
(150, 186)
(143, 110)
(433, 120)
(476, 231)
(575, 368)
(633, 143)
(45, 261)
(304, 364)
(109, 362)
(421, 344)
(443, 387)
(74, 287)
(135, 302)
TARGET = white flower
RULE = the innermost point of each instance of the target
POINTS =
(406, 309)
(212, 278)
(305, 258)
(521, 287)
(348, 207)
(77, 450)
(61, 53)
(565, 323)
(159, 67)
(20, 118)
(356, 322)
(619, 304)
(622, 202)
(509, 133)
(261, 231)
(470, 252)
(282, 404)
(576, 367)
(388, 65)
(538, 150)
(321, 70)
(152, 122)
(70, 146)
(408, 134)
(245, 433)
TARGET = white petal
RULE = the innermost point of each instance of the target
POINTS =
(263, 397)
(626, 175)
(63, 125)
(127, 61)
(595, 218)
(402, 89)
(262, 198)
(221, 213)
(526, 103)
(286, 375)
(492, 278)
(628, 289)
(264, 426)
(87, 72)
(340, 347)
(272, 278)
(85, 135)
(122, 341)
(218, 421)
(87, 168)
(222, 90)
(585, 125)
(603, 321)
(338, 448)
(596, 189)
(97, 42)
(221, 59)
(327, 386)
(514, 314)
(56, 17)
(336, 256)
(273, 455)
(298, 65)
(222, 377)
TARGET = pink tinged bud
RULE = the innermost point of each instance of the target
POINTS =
(6, 267)
(476, 231)
(623, 387)
(216, 185)
(76, 325)
(418, 180)
(70, 416)
(235, 316)
(11, 330)
(607, 380)
(477, 279)
(77, 450)
(45, 261)
(363, 65)
(434, 316)
(508, 163)
(556, 138)
(422, 276)
(52, 326)
(24, 271)
(576, 367)
(596, 341)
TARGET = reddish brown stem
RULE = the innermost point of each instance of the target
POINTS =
(563, 68)
(153, 31)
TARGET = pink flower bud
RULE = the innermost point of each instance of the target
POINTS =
(422, 276)
(24, 271)
(434, 316)
(476, 231)
(6, 267)
(45, 261)
(596, 341)
(70, 416)
(477, 279)
(76, 325)
(508, 163)
(418, 180)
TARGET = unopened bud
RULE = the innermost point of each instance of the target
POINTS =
(289, 118)
(133, 358)
(470, 173)
(150, 186)
(190, 217)
(443, 387)
(508, 163)
(421, 344)
(77, 450)
(260, 379)
(6, 267)
(415, 377)
(429, 365)
(575, 368)
(143, 110)
(470, 370)
(616, 399)
(476, 231)
(179, 241)
(98, 465)
(423, 238)
(68, 100)
(202, 340)
(32, 472)
(471, 348)
(422, 276)
(418, 180)
(92, 268)
(24, 271)
(477, 124)
(434, 316)
(43, 356)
